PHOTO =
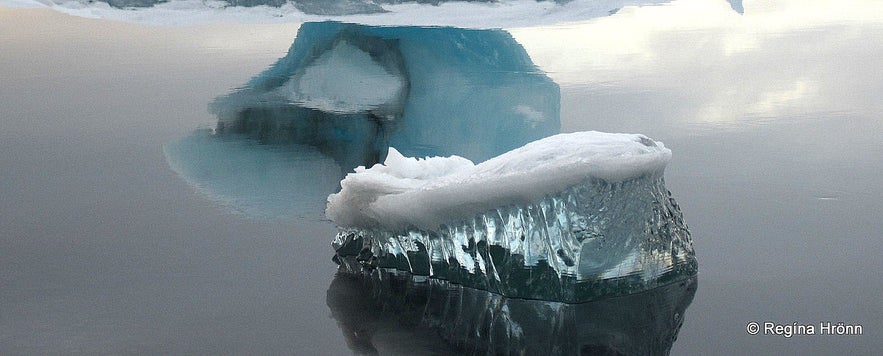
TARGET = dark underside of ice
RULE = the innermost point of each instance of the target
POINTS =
(377, 310)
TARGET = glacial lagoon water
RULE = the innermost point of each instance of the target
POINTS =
(772, 117)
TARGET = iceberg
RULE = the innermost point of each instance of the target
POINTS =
(392, 313)
(354, 90)
(344, 93)
(572, 217)
(737, 6)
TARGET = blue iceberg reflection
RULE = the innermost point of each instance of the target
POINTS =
(266, 181)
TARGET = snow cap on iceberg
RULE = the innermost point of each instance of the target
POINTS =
(424, 193)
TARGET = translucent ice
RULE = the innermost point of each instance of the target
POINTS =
(264, 181)
(354, 90)
(344, 93)
(571, 217)
(737, 6)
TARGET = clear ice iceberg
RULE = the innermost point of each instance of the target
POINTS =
(571, 218)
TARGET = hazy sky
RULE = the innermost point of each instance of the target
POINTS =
(780, 58)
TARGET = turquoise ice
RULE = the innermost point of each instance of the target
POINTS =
(354, 90)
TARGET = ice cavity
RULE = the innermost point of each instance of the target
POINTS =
(570, 218)
(344, 80)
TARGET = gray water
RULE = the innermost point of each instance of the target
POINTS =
(773, 118)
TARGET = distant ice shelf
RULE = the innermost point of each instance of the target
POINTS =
(480, 14)
(572, 218)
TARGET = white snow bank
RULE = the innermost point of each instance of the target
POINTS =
(504, 13)
(425, 193)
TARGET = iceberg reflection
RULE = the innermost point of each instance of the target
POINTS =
(266, 181)
(385, 312)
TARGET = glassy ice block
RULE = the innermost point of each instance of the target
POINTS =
(572, 218)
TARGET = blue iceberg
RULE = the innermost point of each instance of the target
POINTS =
(353, 90)
(737, 6)
(262, 181)
(344, 93)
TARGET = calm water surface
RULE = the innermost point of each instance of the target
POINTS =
(773, 117)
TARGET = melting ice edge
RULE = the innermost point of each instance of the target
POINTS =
(593, 240)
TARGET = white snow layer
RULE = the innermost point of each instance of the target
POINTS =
(504, 13)
(406, 192)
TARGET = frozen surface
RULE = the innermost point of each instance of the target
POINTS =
(571, 218)
(353, 90)
(470, 14)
